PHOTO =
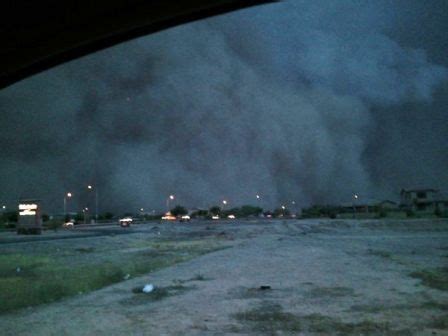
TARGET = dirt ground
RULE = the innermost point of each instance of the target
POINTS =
(320, 277)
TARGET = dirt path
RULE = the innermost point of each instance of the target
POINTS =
(324, 279)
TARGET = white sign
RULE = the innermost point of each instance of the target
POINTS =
(27, 209)
(27, 206)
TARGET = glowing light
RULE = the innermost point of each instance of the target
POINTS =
(27, 212)
(355, 196)
(69, 194)
(258, 196)
(215, 217)
(168, 216)
(283, 207)
(224, 202)
(27, 206)
(4, 207)
(171, 197)
(231, 216)
(89, 187)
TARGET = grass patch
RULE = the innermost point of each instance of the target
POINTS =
(45, 278)
(198, 277)
(435, 305)
(440, 322)
(85, 249)
(380, 253)
(429, 305)
(330, 292)
(435, 278)
(270, 318)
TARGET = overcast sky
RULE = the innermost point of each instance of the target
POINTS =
(309, 101)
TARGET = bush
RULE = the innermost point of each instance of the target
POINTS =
(54, 224)
(410, 213)
(178, 211)
(215, 210)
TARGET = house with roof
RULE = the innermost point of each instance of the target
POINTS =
(423, 200)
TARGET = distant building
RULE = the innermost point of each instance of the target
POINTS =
(423, 200)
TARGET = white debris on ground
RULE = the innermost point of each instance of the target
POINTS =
(148, 288)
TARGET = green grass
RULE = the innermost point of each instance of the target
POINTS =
(435, 278)
(45, 278)
(440, 322)
(270, 319)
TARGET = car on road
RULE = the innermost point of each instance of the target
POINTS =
(125, 222)
(168, 216)
(69, 225)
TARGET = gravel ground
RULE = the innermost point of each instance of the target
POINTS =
(343, 277)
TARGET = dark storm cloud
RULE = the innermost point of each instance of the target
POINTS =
(305, 101)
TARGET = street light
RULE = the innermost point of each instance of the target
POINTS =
(258, 197)
(67, 195)
(224, 203)
(90, 187)
(85, 210)
(170, 198)
(355, 197)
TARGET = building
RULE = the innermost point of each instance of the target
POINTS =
(423, 200)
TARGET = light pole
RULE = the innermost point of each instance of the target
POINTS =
(355, 197)
(224, 203)
(170, 198)
(67, 195)
(96, 201)
(85, 211)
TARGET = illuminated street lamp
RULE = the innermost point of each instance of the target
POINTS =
(355, 197)
(67, 195)
(170, 198)
(258, 197)
(90, 187)
(224, 203)
(85, 210)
